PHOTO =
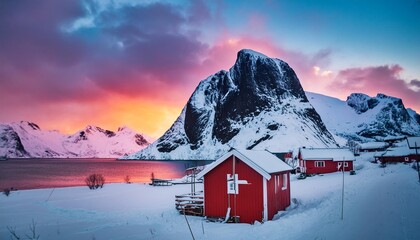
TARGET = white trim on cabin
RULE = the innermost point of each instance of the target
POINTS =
(284, 186)
(265, 205)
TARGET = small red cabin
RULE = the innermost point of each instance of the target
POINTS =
(397, 154)
(325, 160)
(246, 185)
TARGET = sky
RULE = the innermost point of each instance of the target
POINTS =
(68, 64)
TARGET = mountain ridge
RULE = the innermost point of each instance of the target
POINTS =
(372, 118)
(27, 139)
(258, 104)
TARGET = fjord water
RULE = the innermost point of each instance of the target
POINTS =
(48, 173)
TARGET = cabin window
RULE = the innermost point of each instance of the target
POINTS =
(232, 184)
(284, 186)
(406, 159)
(276, 183)
(319, 164)
(346, 164)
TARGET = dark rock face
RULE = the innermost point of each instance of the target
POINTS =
(9, 139)
(226, 101)
(34, 126)
(172, 138)
(361, 102)
(109, 133)
(140, 140)
(392, 118)
(252, 85)
(417, 118)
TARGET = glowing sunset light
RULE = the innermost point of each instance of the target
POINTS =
(136, 63)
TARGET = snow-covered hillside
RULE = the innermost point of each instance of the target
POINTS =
(258, 104)
(26, 139)
(379, 203)
(365, 118)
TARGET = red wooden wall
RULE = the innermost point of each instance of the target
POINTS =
(330, 166)
(397, 158)
(248, 203)
(277, 199)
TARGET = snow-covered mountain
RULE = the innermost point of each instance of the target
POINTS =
(26, 139)
(365, 118)
(258, 104)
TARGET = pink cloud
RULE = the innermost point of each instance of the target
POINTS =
(379, 79)
(150, 52)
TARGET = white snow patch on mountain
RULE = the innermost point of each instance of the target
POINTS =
(365, 118)
(26, 139)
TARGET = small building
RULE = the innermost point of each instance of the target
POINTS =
(397, 154)
(373, 146)
(325, 160)
(413, 142)
(246, 186)
(392, 140)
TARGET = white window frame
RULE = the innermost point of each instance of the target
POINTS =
(346, 164)
(232, 184)
(321, 163)
(284, 186)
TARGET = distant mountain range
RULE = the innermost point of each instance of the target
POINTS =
(258, 104)
(26, 139)
(363, 118)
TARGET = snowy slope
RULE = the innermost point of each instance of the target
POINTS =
(26, 139)
(379, 203)
(365, 118)
(258, 104)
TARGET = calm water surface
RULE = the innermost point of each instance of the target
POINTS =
(47, 173)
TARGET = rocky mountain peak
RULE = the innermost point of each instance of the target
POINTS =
(26, 139)
(366, 118)
(361, 102)
(248, 106)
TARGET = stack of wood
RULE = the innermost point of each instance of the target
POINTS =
(190, 203)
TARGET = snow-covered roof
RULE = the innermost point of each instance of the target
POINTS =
(335, 154)
(373, 145)
(413, 141)
(394, 138)
(397, 152)
(262, 162)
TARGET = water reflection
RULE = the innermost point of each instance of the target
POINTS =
(46, 173)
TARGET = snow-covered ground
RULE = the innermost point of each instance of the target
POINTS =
(379, 203)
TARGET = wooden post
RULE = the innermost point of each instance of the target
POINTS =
(417, 160)
(342, 194)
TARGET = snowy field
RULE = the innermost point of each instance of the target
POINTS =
(379, 203)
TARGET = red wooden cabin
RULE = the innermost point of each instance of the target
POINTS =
(397, 154)
(246, 185)
(325, 160)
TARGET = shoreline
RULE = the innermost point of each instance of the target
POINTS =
(2, 190)
(28, 173)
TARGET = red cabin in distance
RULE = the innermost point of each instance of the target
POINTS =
(246, 185)
(397, 154)
(325, 160)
